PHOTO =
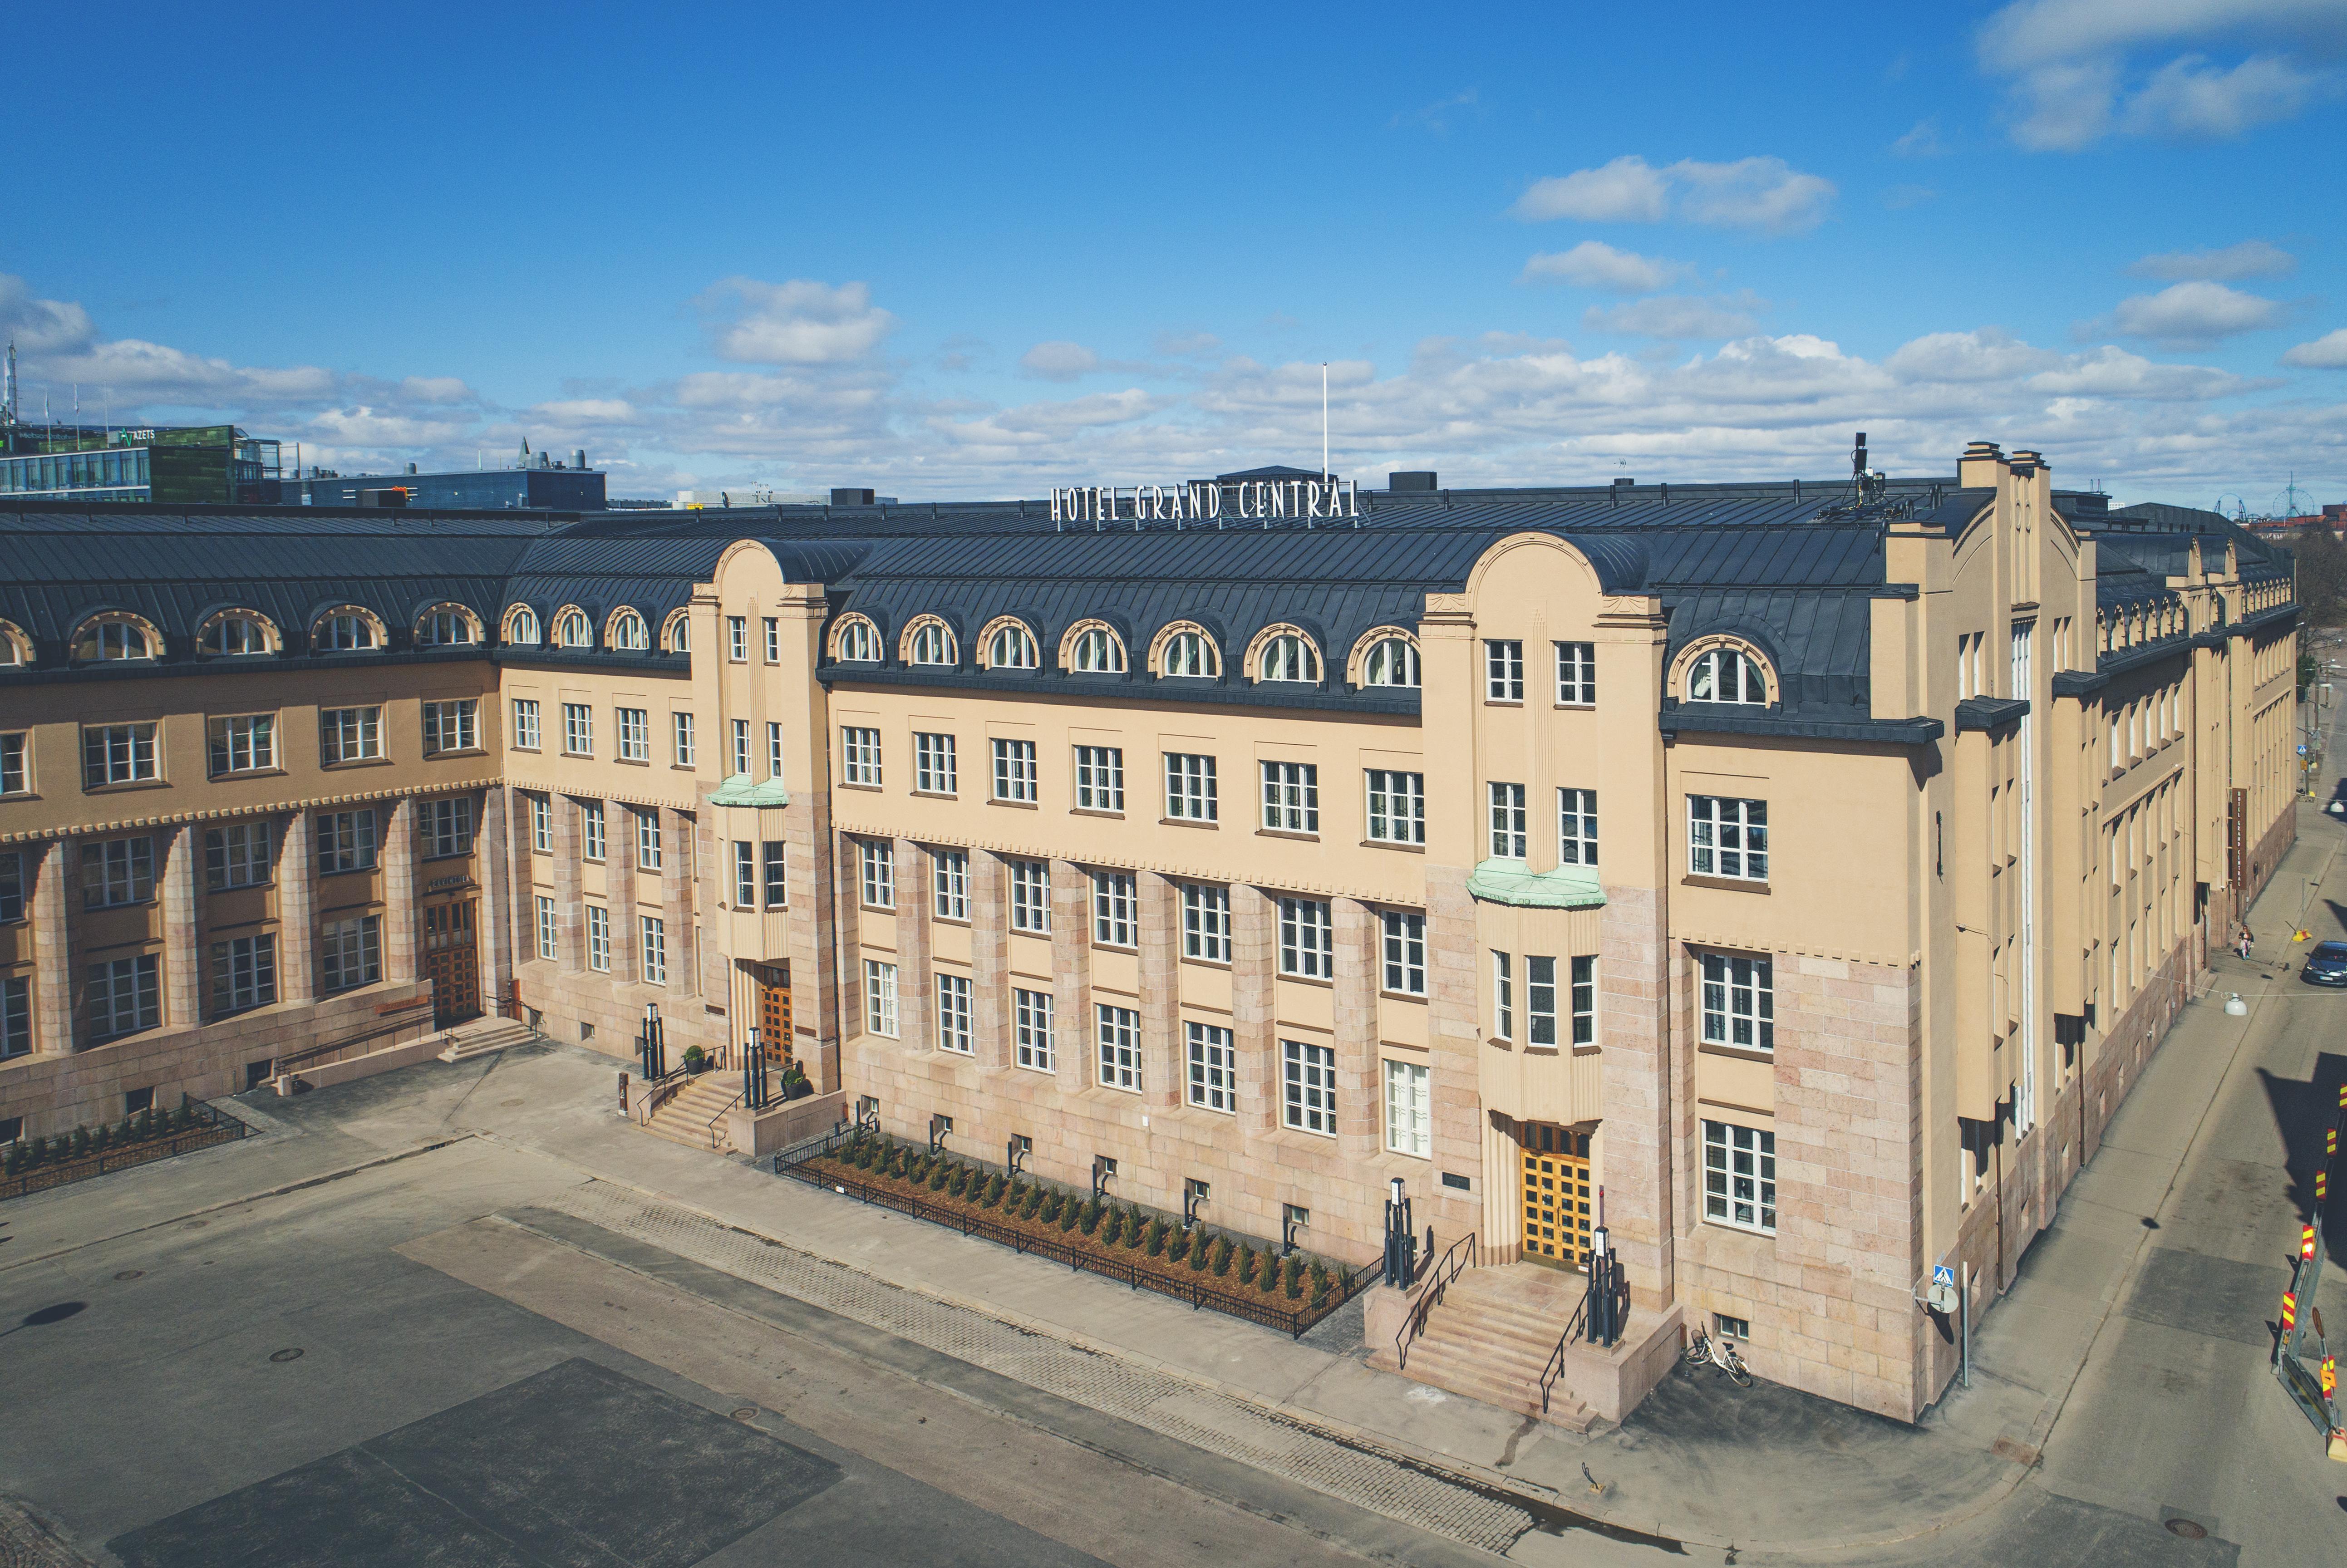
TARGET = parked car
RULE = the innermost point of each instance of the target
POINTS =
(2326, 965)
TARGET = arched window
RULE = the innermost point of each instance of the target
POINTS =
(1098, 650)
(679, 633)
(521, 627)
(225, 635)
(346, 631)
(571, 630)
(860, 641)
(1724, 675)
(931, 643)
(15, 648)
(1191, 653)
(1287, 657)
(1391, 662)
(628, 633)
(1012, 647)
(112, 639)
(446, 626)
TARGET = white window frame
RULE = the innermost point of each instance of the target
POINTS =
(1577, 827)
(876, 860)
(949, 871)
(346, 841)
(1736, 994)
(774, 869)
(117, 753)
(445, 827)
(737, 639)
(1212, 1076)
(1576, 674)
(350, 953)
(1100, 778)
(1727, 675)
(1115, 910)
(593, 845)
(635, 729)
(549, 933)
(1307, 938)
(526, 732)
(1120, 1047)
(349, 734)
(647, 839)
(1191, 655)
(1031, 896)
(453, 724)
(773, 639)
(1288, 658)
(880, 998)
(1409, 1109)
(1206, 922)
(652, 950)
(1510, 839)
(1190, 791)
(859, 750)
(1397, 805)
(1390, 661)
(1308, 1087)
(1014, 772)
(1404, 952)
(598, 938)
(578, 729)
(123, 995)
(239, 855)
(15, 777)
(1727, 838)
(681, 737)
(1503, 995)
(745, 875)
(1739, 1176)
(117, 871)
(1031, 1018)
(1503, 670)
(243, 743)
(243, 973)
(1584, 998)
(936, 768)
(773, 751)
(954, 1014)
(741, 748)
(1291, 797)
(1539, 1000)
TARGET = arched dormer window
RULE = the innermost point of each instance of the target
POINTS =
(676, 636)
(626, 633)
(233, 633)
(15, 648)
(1190, 653)
(931, 641)
(348, 630)
(1011, 646)
(856, 641)
(521, 627)
(447, 626)
(1391, 660)
(1288, 656)
(1726, 675)
(1092, 649)
(572, 630)
(106, 638)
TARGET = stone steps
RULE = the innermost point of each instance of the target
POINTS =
(1492, 1338)
(684, 1119)
(482, 1036)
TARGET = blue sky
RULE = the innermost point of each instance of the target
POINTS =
(946, 251)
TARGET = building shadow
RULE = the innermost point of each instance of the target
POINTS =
(2303, 1110)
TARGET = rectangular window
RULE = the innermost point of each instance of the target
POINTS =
(446, 826)
(1291, 797)
(591, 824)
(741, 748)
(117, 871)
(1503, 671)
(1727, 838)
(777, 869)
(651, 951)
(1508, 837)
(1410, 1110)
(878, 859)
(350, 952)
(546, 929)
(123, 997)
(349, 734)
(1584, 1000)
(635, 734)
(773, 640)
(745, 875)
(526, 737)
(1190, 788)
(243, 744)
(599, 939)
(1113, 922)
(237, 856)
(680, 728)
(541, 824)
(1120, 1048)
(452, 726)
(1396, 806)
(1100, 778)
(860, 756)
(953, 1014)
(119, 754)
(1307, 938)
(1739, 1002)
(952, 868)
(1739, 1177)
(879, 997)
(1577, 827)
(1206, 922)
(1503, 995)
(346, 841)
(1213, 1085)
(737, 639)
(12, 886)
(1030, 1019)
(244, 973)
(1576, 674)
(934, 769)
(1031, 896)
(1405, 953)
(647, 840)
(1014, 770)
(1539, 1000)
(13, 779)
(577, 729)
(773, 751)
(15, 1016)
(1308, 1086)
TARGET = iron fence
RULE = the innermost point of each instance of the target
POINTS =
(211, 1128)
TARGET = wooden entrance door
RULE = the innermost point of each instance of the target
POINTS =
(452, 962)
(774, 1012)
(1555, 1194)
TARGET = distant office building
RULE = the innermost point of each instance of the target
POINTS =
(164, 463)
(767, 495)
(536, 482)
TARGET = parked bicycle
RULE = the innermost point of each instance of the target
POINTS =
(1704, 1350)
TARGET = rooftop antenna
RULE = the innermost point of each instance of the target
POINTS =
(8, 395)
(1324, 421)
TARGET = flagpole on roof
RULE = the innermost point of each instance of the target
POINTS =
(1324, 421)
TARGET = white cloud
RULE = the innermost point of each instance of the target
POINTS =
(587, 410)
(1670, 317)
(798, 323)
(2078, 69)
(1765, 195)
(1593, 264)
(2191, 314)
(2328, 352)
(2248, 259)
(41, 326)
(1187, 344)
(2109, 371)
(437, 389)
(1986, 355)
(1923, 141)
(1899, 198)
(1059, 361)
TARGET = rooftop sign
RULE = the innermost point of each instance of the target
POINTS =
(1207, 500)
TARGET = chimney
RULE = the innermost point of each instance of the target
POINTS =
(850, 497)
(411, 467)
(579, 459)
(1977, 468)
(1404, 482)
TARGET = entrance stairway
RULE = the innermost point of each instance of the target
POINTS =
(480, 1036)
(1492, 1335)
(686, 1115)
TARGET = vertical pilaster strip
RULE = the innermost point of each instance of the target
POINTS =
(399, 936)
(297, 909)
(619, 878)
(1355, 1018)
(1643, 1126)
(916, 984)
(1162, 1066)
(1255, 934)
(819, 906)
(494, 852)
(1457, 968)
(713, 867)
(678, 860)
(183, 956)
(989, 959)
(53, 984)
(1072, 988)
(570, 899)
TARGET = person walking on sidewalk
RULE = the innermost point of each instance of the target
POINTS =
(2243, 945)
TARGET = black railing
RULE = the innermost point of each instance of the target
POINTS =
(1555, 1368)
(1446, 1268)
(212, 1127)
(1198, 1293)
(420, 1020)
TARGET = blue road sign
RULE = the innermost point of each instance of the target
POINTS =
(1942, 1274)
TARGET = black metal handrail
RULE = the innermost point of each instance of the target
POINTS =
(214, 1129)
(421, 1018)
(722, 1111)
(1342, 1289)
(1555, 1368)
(1447, 1267)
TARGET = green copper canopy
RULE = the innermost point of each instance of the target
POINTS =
(1499, 881)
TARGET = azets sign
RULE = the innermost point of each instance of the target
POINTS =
(1208, 500)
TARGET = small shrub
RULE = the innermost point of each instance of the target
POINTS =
(1320, 1282)
(1069, 1210)
(1221, 1261)
(993, 1191)
(1091, 1217)
(941, 1175)
(1156, 1238)
(128, 1133)
(102, 1138)
(14, 1161)
(1054, 1206)
(1034, 1200)
(182, 1118)
(1198, 1250)
(1129, 1228)
(960, 1183)
(1295, 1278)
(1244, 1272)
